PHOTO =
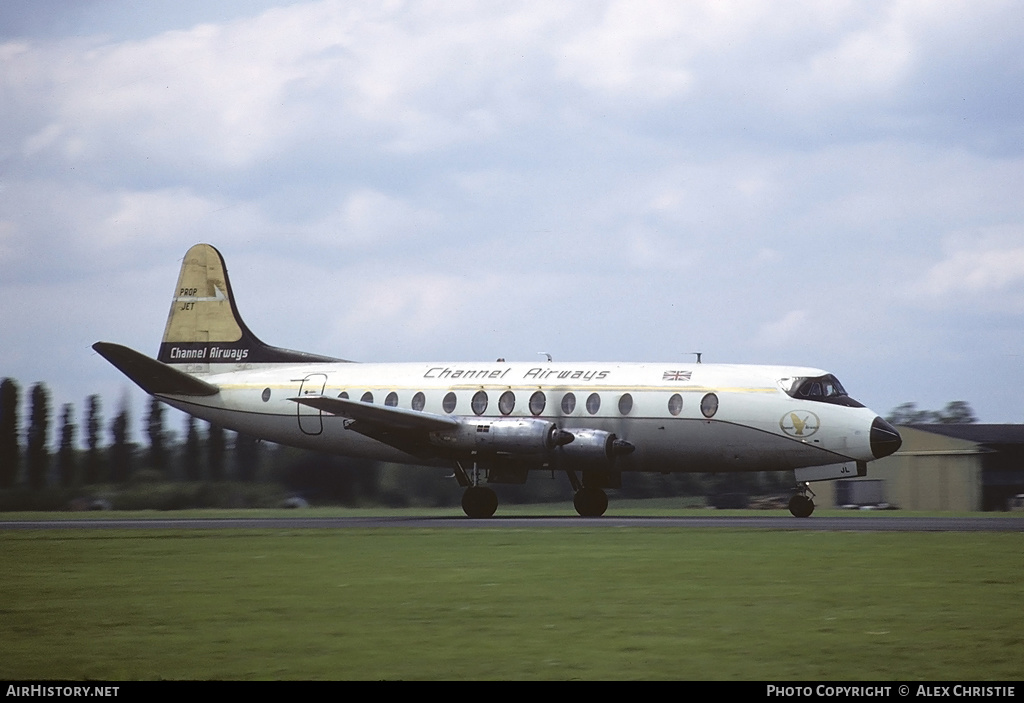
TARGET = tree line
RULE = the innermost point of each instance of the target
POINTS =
(200, 456)
(957, 412)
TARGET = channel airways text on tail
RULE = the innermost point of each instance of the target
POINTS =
(495, 422)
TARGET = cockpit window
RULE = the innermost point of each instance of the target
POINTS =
(822, 389)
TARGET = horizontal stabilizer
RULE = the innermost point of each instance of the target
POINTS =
(154, 377)
(380, 415)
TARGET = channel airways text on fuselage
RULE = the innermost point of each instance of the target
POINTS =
(495, 374)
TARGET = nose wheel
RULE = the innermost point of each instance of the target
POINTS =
(801, 505)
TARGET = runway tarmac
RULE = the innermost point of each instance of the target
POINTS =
(874, 523)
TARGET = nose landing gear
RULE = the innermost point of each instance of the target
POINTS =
(801, 505)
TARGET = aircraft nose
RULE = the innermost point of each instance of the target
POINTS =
(885, 440)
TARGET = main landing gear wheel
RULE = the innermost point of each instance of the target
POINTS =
(479, 502)
(590, 502)
(801, 506)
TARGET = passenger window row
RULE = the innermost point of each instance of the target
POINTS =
(537, 403)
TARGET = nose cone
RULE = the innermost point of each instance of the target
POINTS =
(884, 438)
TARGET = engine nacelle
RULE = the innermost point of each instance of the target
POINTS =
(593, 447)
(503, 435)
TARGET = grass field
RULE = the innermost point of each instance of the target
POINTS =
(528, 603)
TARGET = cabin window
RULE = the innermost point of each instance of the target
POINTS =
(675, 404)
(343, 395)
(266, 394)
(625, 404)
(709, 405)
(449, 402)
(537, 403)
(568, 403)
(507, 402)
(367, 397)
(479, 403)
(419, 401)
(593, 403)
(392, 400)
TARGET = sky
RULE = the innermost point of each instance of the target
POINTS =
(836, 185)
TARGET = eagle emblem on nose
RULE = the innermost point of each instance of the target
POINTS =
(800, 423)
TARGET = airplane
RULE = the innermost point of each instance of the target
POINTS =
(495, 422)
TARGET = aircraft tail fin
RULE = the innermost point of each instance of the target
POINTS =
(204, 326)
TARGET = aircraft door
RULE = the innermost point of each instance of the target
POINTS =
(311, 419)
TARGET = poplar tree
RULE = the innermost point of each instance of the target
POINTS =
(9, 451)
(120, 449)
(215, 452)
(66, 464)
(155, 430)
(247, 457)
(192, 457)
(38, 455)
(93, 423)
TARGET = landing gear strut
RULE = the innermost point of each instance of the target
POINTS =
(478, 501)
(589, 501)
(801, 505)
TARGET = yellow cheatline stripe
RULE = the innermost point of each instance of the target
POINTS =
(547, 389)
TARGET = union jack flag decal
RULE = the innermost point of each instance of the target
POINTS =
(676, 376)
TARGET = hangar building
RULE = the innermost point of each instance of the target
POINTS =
(940, 467)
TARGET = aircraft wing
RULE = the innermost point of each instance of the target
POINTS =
(405, 430)
(382, 416)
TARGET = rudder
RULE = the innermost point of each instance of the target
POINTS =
(203, 325)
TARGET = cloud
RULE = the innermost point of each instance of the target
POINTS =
(417, 304)
(987, 266)
(410, 78)
(334, 78)
(791, 327)
(369, 218)
(635, 49)
(54, 229)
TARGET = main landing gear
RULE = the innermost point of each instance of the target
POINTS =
(479, 502)
(482, 502)
(801, 505)
(589, 501)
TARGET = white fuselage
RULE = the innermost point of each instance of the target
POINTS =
(667, 414)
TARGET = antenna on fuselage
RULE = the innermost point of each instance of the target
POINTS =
(545, 354)
(698, 355)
